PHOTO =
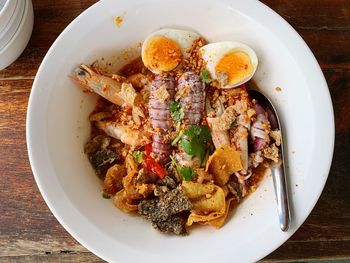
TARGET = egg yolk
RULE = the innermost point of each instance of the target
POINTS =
(234, 67)
(161, 53)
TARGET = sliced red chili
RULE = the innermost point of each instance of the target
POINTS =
(148, 149)
(150, 164)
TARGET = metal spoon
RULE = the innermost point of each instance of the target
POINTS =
(278, 171)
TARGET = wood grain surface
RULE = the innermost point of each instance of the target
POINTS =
(30, 233)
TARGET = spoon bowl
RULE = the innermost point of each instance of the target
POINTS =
(277, 170)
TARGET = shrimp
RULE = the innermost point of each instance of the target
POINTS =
(127, 135)
(139, 80)
(112, 87)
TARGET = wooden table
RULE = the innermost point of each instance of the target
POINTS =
(30, 233)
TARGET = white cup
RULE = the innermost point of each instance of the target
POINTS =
(16, 25)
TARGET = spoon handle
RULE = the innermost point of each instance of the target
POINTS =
(279, 182)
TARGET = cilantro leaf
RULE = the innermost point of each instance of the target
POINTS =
(205, 76)
(138, 156)
(176, 111)
(188, 147)
(196, 141)
(187, 172)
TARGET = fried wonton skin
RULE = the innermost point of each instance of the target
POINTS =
(222, 163)
(208, 201)
(220, 221)
(113, 180)
(121, 201)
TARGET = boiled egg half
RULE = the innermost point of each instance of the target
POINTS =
(231, 63)
(164, 49)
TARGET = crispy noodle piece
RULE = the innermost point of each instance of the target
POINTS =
(162, 94)
(182, 93)
(240, 106)
(222, 163)
(271, 153)
(224, 122)
(203, 176)
(219, 222)
(131, 165)
(132, 99)
(133, 189)
(113, 180)
(128, 94)
(208, 201)
(276, 135)
(123, 202)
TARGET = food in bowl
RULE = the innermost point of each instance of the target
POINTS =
(175, 136)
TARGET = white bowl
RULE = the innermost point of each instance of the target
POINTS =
(13, 24)
(58, 127)
(15, 37)
(6, 11)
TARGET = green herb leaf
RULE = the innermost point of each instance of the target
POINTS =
(233, 124)
(176, 111)
(177, 138)
(105, 196)
(200, 132)
(138, 156)
(196, 141)
(187, 172)
(205, 158)
(188, 147)
(205, 76)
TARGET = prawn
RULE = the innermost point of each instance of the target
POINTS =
(127, 135)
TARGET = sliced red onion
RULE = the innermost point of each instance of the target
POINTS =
(261, 122)
(273, 120)
(258, 133)
(259, 144)
(259, 109)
